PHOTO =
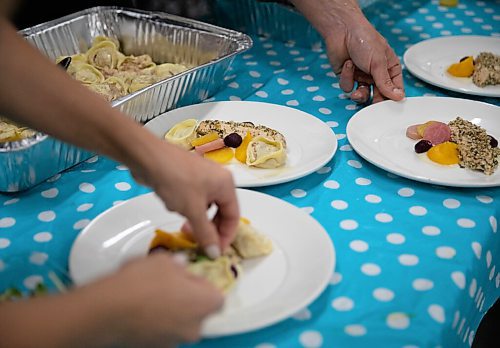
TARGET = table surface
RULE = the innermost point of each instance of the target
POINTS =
(417, 265)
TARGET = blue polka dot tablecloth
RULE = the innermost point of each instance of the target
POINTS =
(417, 265)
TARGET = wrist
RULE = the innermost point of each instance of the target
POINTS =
(330, 16)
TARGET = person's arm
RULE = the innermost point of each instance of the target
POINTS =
(357, 52)
(35, 92)
(150, 302)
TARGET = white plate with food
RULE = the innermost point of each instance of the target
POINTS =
(378, 133)
(430, 60)
(271, 287)
(297, 143)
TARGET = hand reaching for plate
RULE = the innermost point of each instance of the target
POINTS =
(357, 52)
(151, 302)
(189, 184)
(151, 311)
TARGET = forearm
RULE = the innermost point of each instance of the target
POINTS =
(328, 15)
(35, 92)
(78, 319)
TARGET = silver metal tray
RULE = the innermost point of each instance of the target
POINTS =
(166, 38)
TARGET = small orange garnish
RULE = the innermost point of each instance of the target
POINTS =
(221, 156)
(465, 68)
(207, 138)
(172, 241)
(444, 153)
(241, 151)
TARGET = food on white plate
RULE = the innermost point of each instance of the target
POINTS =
(224, 271)
(484, 70)
(112, 74)
(477, 150)
(487, 70)
(183, 133)
(253, 145)
(265, 153)
(422, 146)
(458, 142)
(464, 68)
(211, 146)
(221, 273)
(437, 133)
(250, 243)
(412, 132)
(224, 128)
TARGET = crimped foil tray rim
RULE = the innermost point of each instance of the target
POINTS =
(23, 144)
(244, 43)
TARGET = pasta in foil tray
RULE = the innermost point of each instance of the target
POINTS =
(110, 73)
(106, 71)
(10, 131)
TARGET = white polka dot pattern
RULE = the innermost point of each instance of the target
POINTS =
(398, 321)
(413, 248)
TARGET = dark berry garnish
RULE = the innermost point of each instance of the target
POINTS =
(233, 140)
(234, 270)
(493, 141)
(423, 146)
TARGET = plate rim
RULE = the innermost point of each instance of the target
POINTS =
(279, 180)
(323, 283)
(417, 72)
(425, 180)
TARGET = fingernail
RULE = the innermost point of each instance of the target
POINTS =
(212, 251)
(398, 91)
(348, 65)
(180, 259)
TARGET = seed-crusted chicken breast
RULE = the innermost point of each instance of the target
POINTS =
(486, 70)
(224, 128)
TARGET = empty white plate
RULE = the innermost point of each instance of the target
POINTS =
(310, 142)
(429, 59)
(378, 134)
(270, 288)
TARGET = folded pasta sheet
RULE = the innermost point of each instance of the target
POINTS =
(224, 271)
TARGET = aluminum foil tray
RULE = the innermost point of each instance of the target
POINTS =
(166, 38)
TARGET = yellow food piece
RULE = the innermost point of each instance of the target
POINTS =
(241, 151)
(464, 68)
(172, 241)
(421, 128)
(207, 138)
(444, 153)
(244, 220)
(221, 156)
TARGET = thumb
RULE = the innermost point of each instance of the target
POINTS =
(205, 232)
(383, 80)
(347, 77)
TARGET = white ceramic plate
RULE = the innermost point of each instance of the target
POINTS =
(270, 288)
(429, 59)
(310, 142)
(378, 134)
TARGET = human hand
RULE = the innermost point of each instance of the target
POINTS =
(189, 184)
(150, 302)
(357, 52)
(155, 302)
(362, 55)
